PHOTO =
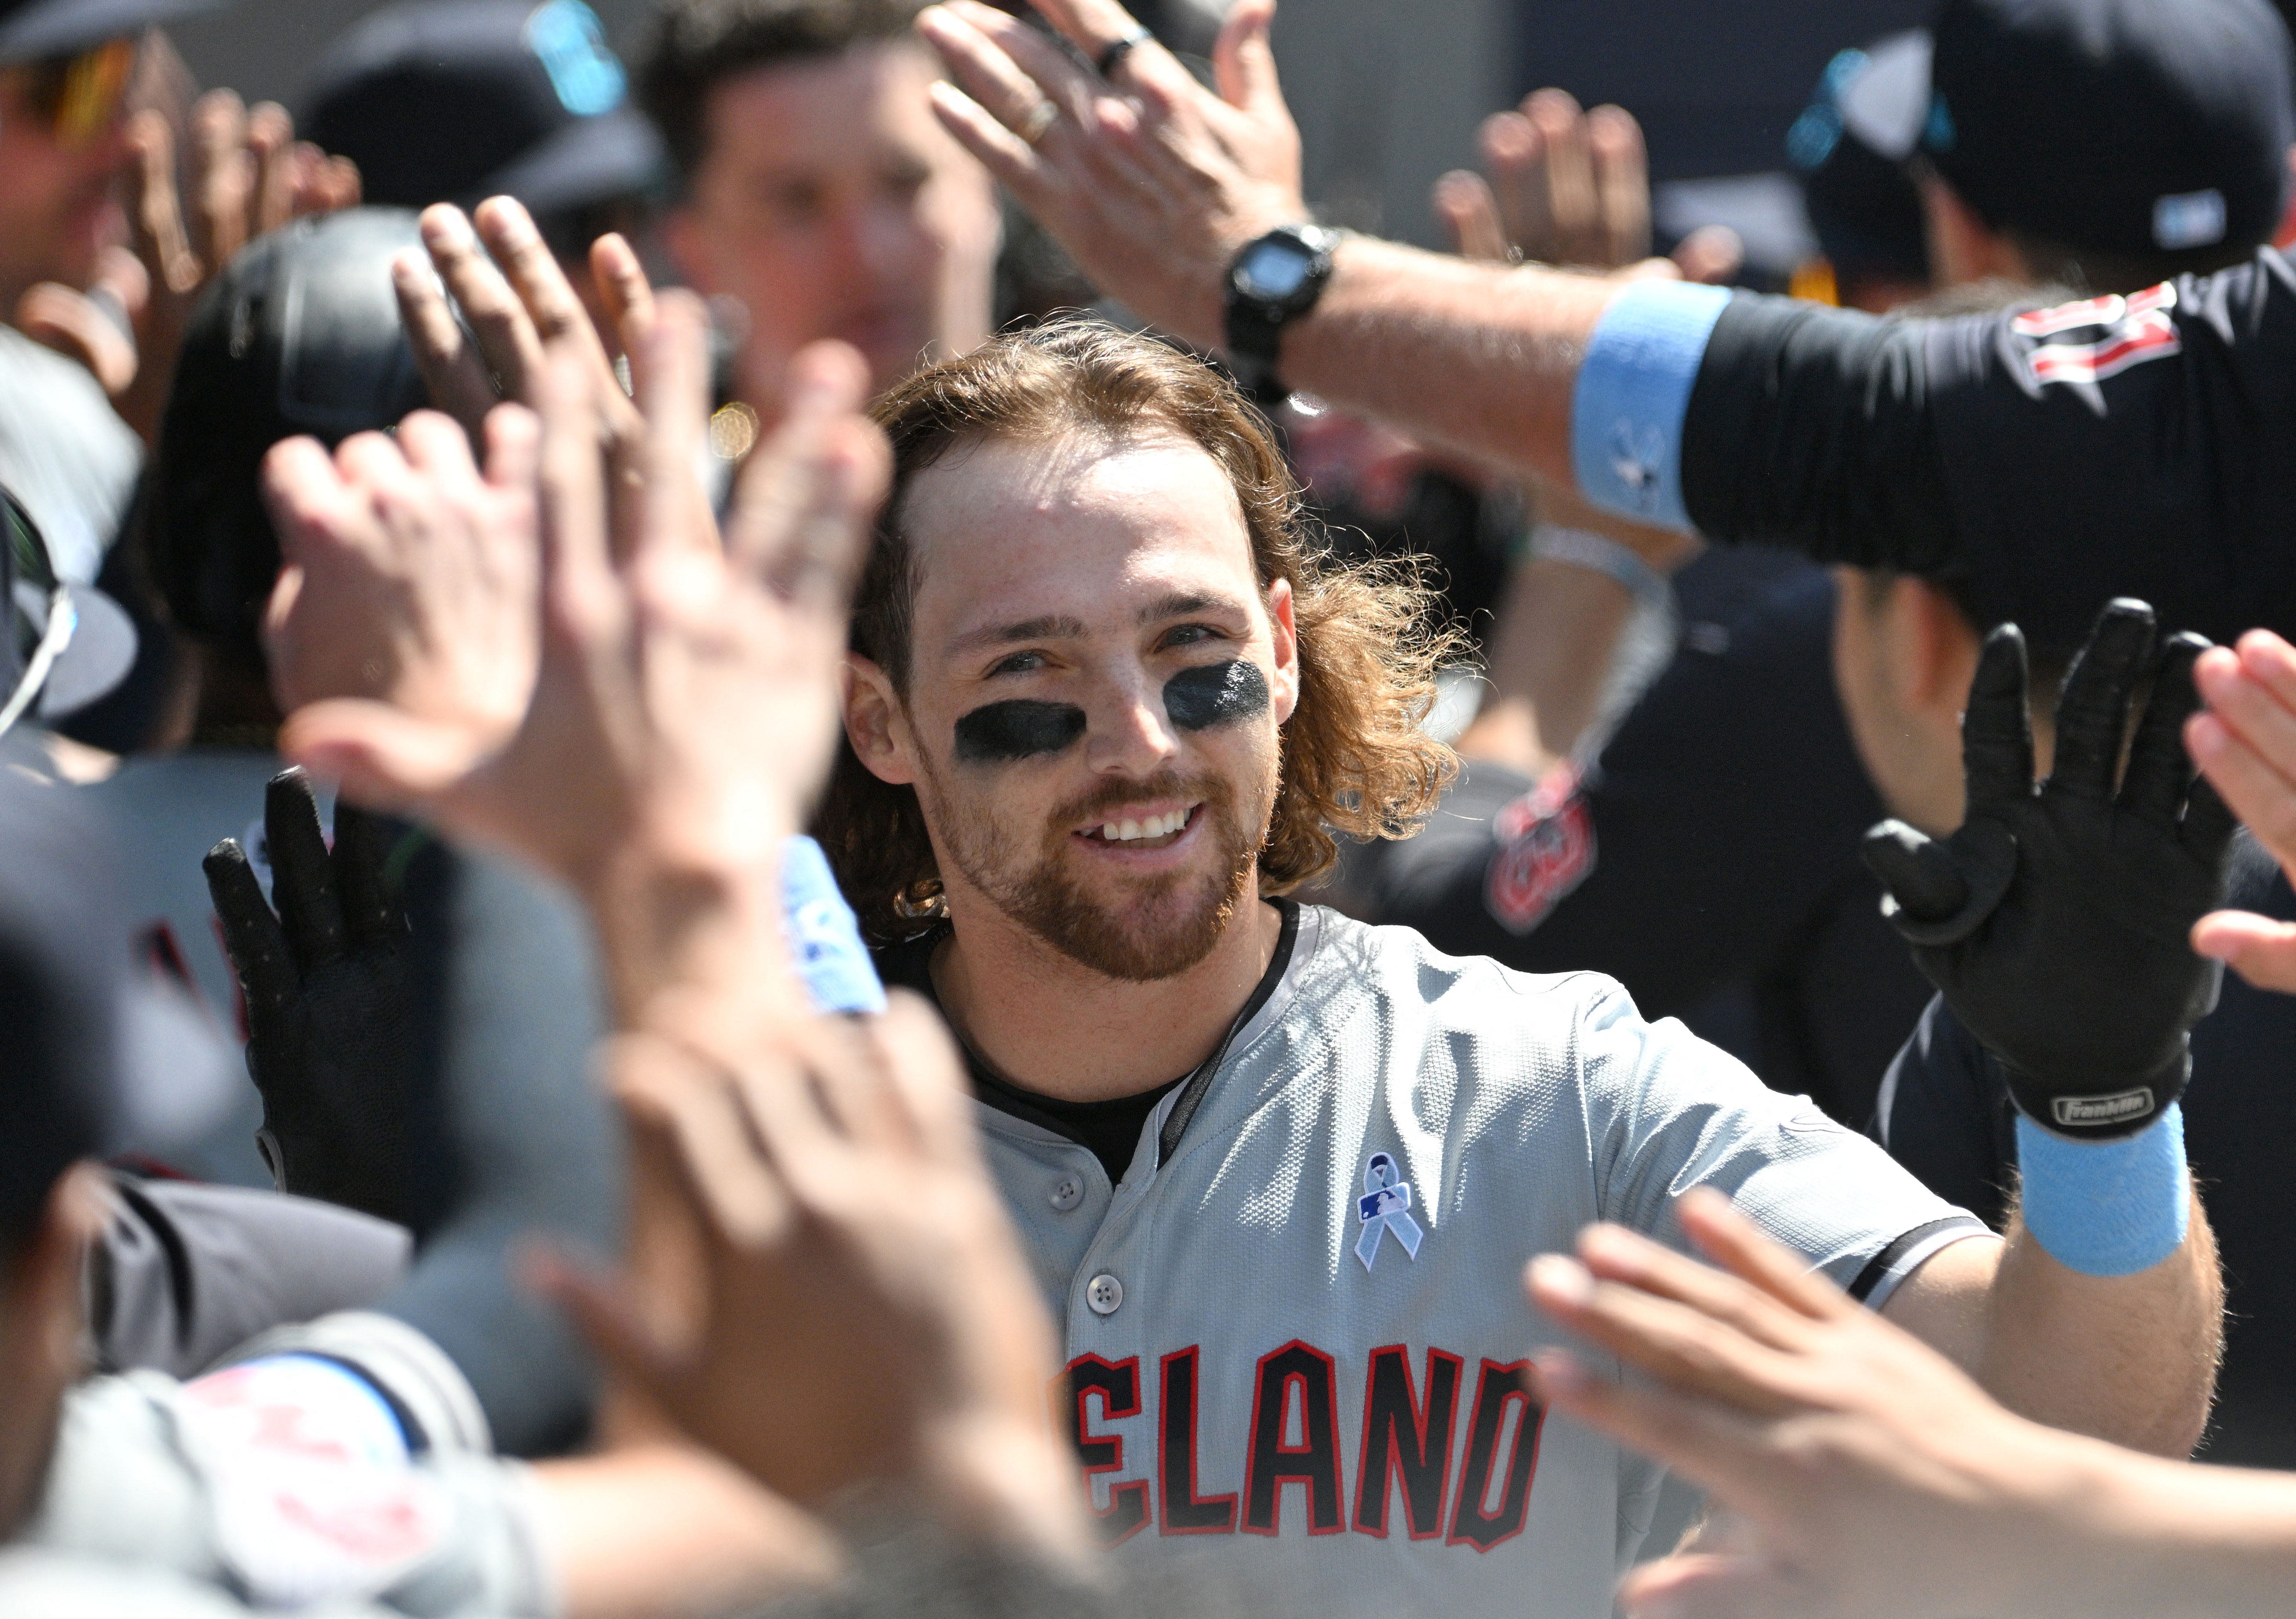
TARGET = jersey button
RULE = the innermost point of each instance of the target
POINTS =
(1066, 1191)
(1104, 1294)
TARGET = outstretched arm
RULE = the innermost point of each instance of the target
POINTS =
(2053, 922)
(1872, 1478)
(1154, 182)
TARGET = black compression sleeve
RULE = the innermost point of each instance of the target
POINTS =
(1809, 428)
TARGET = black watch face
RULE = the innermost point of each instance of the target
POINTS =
(1273, 271)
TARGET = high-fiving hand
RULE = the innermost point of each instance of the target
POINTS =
(2245, 744)
(2055, 920)
(1152, 182)
(855, 1308)
(1850, 1452)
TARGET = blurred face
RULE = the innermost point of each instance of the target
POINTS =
(62, 141)
(1097, 684)
(832, 204)
(1903, 659)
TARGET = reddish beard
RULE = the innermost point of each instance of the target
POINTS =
(1163, 924)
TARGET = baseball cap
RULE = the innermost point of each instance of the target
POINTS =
(32, 29)
(2135, 127)
(449, 101)
(1850, 146)
(300, 335)
(65, 645)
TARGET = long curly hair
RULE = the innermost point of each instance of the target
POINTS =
(1354, 760)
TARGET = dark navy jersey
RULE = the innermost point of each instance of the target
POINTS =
(2141, 446)
(1947, 1117)
(1709, 859)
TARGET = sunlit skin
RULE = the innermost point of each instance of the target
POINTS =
(1085, 573)
(831, 203)
(57, 207)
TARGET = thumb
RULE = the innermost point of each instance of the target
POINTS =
(1243, 62)
(1708, 1587)
(1917, 871)
(2262, 950)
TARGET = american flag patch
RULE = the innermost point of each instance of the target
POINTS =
(2100, 337)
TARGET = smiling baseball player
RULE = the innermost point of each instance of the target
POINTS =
(1279, 1172)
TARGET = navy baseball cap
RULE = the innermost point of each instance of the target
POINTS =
(446, 100)
(2132, 127)
(32, 29)
(1849, 148)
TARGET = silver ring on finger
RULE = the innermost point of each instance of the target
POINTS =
(1041, 116)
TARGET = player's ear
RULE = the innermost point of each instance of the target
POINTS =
(876, 724)
(1283, 625)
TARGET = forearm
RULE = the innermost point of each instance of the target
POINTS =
(1554, 646)
(2129, 1358)
(1480, 359)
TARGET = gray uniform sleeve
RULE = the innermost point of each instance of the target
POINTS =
(187, 1271)
(1667, 1111)
(150, 1476)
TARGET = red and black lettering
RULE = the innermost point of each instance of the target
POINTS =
(1184, 1511)
(1315, 1461)
(1117, 1383)
(1498, 1387)
(1405, 1437)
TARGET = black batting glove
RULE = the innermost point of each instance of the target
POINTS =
(330, 1036)
(2055, 922)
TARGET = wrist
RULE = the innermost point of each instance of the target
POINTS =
(677, 936)
(2106, 1208)
(986, 1477)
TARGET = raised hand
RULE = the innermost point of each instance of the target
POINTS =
(1849, 1449)
(331, 1043)
(2245, 744)
(520, 309)
(1151, 182)
(2055, 922)
(1567, 187)
(685, 705)
(408, 577)
(824, 1287)
(248, 174)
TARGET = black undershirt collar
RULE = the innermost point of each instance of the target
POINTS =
(1109, 1130)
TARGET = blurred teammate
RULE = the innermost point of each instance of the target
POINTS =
(821, 198)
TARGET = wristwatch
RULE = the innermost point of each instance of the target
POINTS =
(1275, 279)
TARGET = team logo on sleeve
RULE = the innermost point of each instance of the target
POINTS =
(1547, 848)
(2100, 337)
(1385, 1206)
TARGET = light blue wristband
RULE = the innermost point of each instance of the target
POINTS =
(823, 934)
(1633, 387)
(2106, 1208)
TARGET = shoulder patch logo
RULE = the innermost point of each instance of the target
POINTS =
(1385, 1206)
(2101, 337)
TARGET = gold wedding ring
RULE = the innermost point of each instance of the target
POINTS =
(1041, 118)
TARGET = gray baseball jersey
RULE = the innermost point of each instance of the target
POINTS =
(1294, 1329)
(264, 1483)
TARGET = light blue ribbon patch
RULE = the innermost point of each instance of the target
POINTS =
(1385, 1206)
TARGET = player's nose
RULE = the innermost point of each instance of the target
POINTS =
(1128, 730)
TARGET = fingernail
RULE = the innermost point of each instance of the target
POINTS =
(1562, 1280)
